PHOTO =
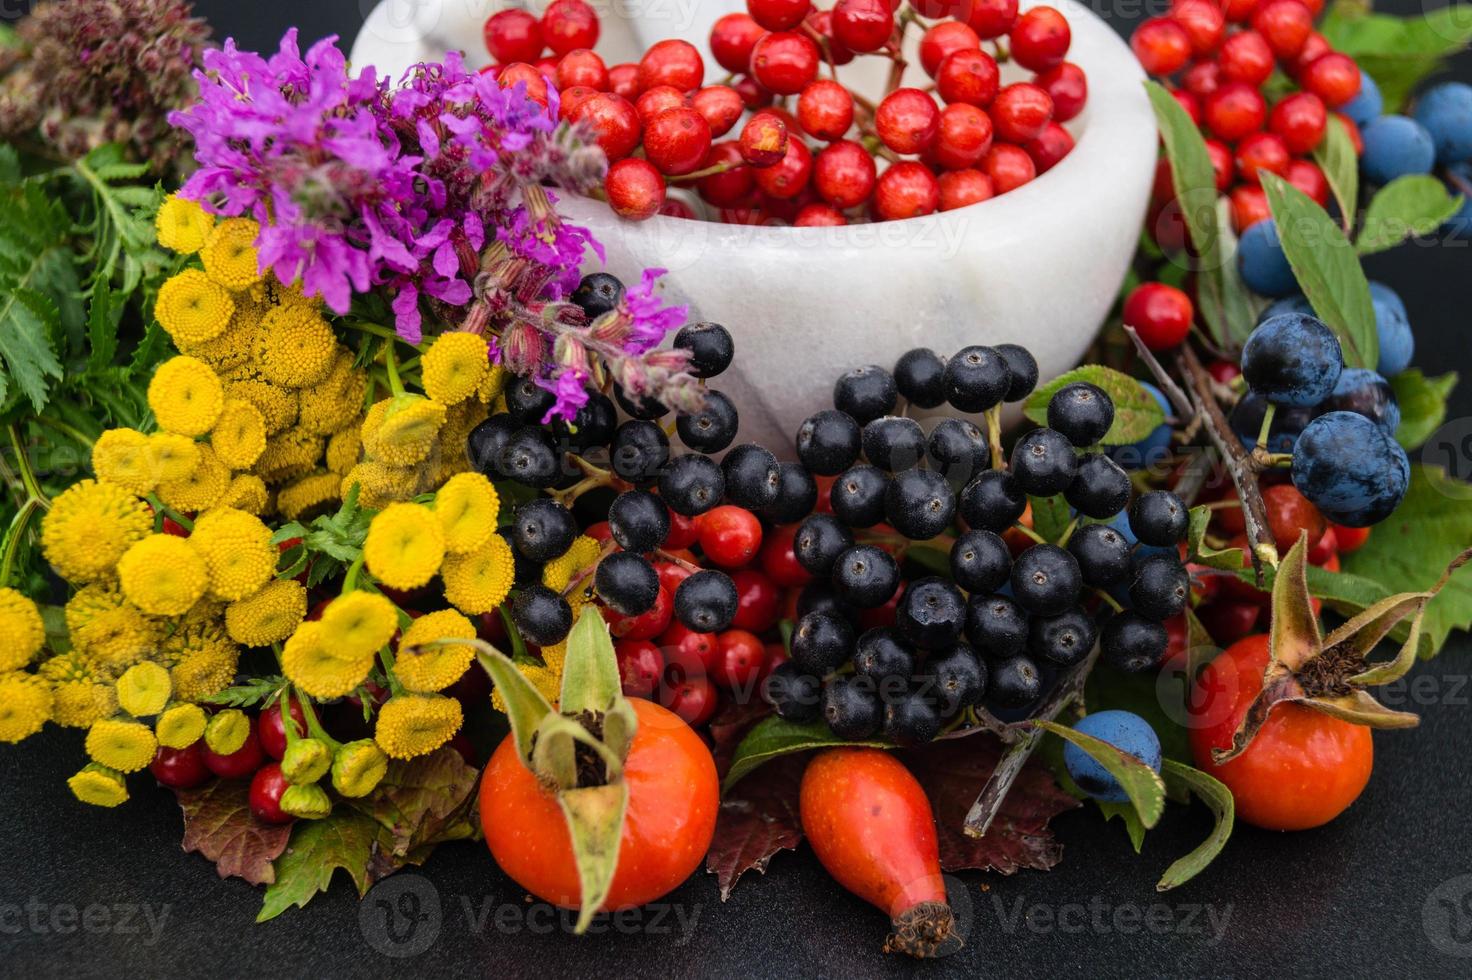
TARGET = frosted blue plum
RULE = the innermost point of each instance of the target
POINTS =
(1446, 112)
(1263, 264)
(1124, 730)
(1292, 359)
(1396, 146)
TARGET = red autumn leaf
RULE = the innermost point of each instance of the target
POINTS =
(758, 818)
(730, 725)
(218, 824)
(953, 772)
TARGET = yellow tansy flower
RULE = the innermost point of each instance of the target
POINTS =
(21, 630)
(467, 507)
(229, 254)
(126, 746)
(173, 457)
(294, 347)
(269, 616)
(454, 367)
(25, 705)
(380, 485)
(358, 624)
(186, 396)
(336, 401)
(401, 431)
(123, 457)
(111, 631)
(289, 455)
(478, 582)
(180, 726)
(343, 451)
(309, 496)
(237, 551)
(202, 488)
(99, 786)
(492, 385)
(246, 492)
(88, 528)
(239, 435)
(192, 309)
(277, 406)
(434, 668)
(144, 689)
(204, 662)
(412, 725)
(162, 575)
(182, 225)
(318, 670)
(404, 546)
(358, 768)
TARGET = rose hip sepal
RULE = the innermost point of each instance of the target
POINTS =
(1331, 673)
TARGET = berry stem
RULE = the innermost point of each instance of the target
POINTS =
(1067, 533)
(586, 572)
(314, 727)
(677, 560)
(994, 435)
(163, 510)
(723, 167)
(1030, 533)
(1109, 600)
(1267, 424)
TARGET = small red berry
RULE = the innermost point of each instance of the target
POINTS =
(180, 768)
(965, 136)
(1224, 371)
(789, 177)
(1162, 45)
(1222, 163)
(1353, 129)
(615, 123)
(640, 667)
(1050, 147)
(513, 35)
(825, 110)
(1313, 49)
(568, 25)
(582, 67)
(1284, 24)
(1020, 112)
(1307, 177)
(677, 140)
(635, 189)
(943, 39)
(779, 561)
(623, 80)
(547, 67)
(1290, 514)
(740, 658)
(1261, 152)
(521, 74)
(863, 26)
(906, 190)
(271, 729)
(1334, 77)
(963, 188)
(1300, 119)
(730, 536)
(239, 764)
(1245, 57)
(1008, 166)
(694, 700)
(844, 174)
(1068, 87)
(1189, 102)
(758, 601)
(968, 76)
(907, 120)
(1040, 39)
(732, 187)
(267, 787)
(989, 18)
(671, 62)
(779, 15)
(764, 140)
(785, 63)
(1204, 24)
(1249, 206)
(819, 216)
(1239, 11)
(1350, 538)
(1160, 314)
(687, 654)
(1202, 78)
(820, 23)
(752, 92)
(731, 40)
(646, 625)
(653, 101)
(721, 106)
(1235, 110)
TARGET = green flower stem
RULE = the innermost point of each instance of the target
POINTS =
(350, 580)
(13, 537)
(1067, 533)
(66, 430)
(391, 365)
(163, 510)
(314, 727)
(23, 465)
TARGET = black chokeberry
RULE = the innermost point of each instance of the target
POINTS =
(819, 541)
(1103, 555)
(865, 393)
(851, 708)
(597, 294)
(919, 504)
(753, 478)
(627, 583)
(894, 443)
(1014, 682)
(797, 494)
(857, 496)
(541, 616)
(919, 375)
(543, 529)
(911, 719)
(1046, 580)
(880, 655)
(793, 694)
(958, 451)
(1160, 587)
(638, 521)
(931, 614)
(821, 643)
(1023, 368)
(1159, 518)
(1064, 639)
(1133, 643)
(976, 379)
(865, 576)
(818, 597)
(639, 453)
(996, 625)
(1100, 489)
(526, 401)
(530, 458)
(956, 677)
(692, 484)
(829, 442)
(1082, 412)
(710, 345)
(646, 409)
(706, 601)
(993, 501)
(591, 427)
(980, 562)
(485, 442)
(525, 570)
(1044, 463)
(711, 429)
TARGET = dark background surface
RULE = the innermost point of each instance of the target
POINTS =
(1363, 895)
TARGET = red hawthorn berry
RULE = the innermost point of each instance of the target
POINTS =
(1008, 166)
(1300, 119)
(1307, 177)
(615, 123)
(1245, 57)
(1260, 152)
(677, 141)
(758, 601)
(820, 22)
(1162, 46)
(731, 187)
(906, 190)
(1204, 22)
(962, 188)
(524, 74)
(1202, 78)
(863, 25)
(964, 137)
(547, 67)
(653, 101)
(1284, 24)
(1249, 206)
(1222, 163)
(1020, 112)
(1040, 39)
(844, 174)
(752, 93)
(721, 106)
(1049, 147)
(1353, 129)
(825, 110)
(968, 76)
(635, 189)
(943, 39)
(582, 67)
(1350, 539)
(1290, 514)
(731, 40)
(907, 120)
(568, 25)
(820, 216)
(764, 140)
(640, 667)
(671, 62)
(1333, 77)
(784, 63)
(788, 177)
(1160, 314)
(1068, 87)
(989, 18)
(1235, 110)
(623, 80)
(513, 35)
(778, 15)
(1239, 11)
(1313, 49)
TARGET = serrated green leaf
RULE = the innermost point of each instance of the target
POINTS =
(1129, 816)
(317, 849)
(1407, 207)
(1141, 784)
(1136, 412)
(102, 328)
(773, 737)
(1327, 269)
(1218, 798)
(1341, 166)
(1422, 403)
(27, 320)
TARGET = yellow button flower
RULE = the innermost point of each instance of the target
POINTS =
(21, 630)
(25, 705)
(182, 225)
(180, 726)
(237, 551)
(78, 697)
(126, 746)
(229, 254)
(162, 575)
(358, 768)
(405, 546)
(402, 431)
(467, 507)
(336, 402)
(246, 492)
(89, 527)
(122, 456)
(454, 367)
(358, 625)
(192, 309)
(317, 669)
(204, 662)
(99, 786)
(144, 689)
(112, 632)
(412, 725)
(344, 450)
(269, 616)
(314, 494)
(480, 581)
(277, 406)
(186, 396)
(294, 347)
(433, 668)
(288, 455)
(174, 457)
(227, 731)
(202, 488)
(239, 435)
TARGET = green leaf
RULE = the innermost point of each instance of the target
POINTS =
(931, 558)
(1215, 795)
(27, 320)
(1407, 207)
(773, 737)
(102, 327)
(1141, 783)
(1422, 404)
(10, 171)
(1050, 516)
(1129, 816)
(317, 849)
(1201, 553)
(1327, 268)
(590, 680)
(1336, 157)
(1136, 412)
(1398, 52)
(1240, 306)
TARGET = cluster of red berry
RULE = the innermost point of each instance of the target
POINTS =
(810, 150)
(1220, 58)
